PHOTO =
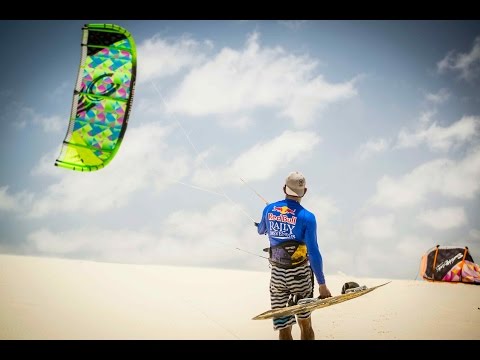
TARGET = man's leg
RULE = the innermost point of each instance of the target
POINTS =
(302, 282)
(279, 295)
(306, 330)
(285, 334)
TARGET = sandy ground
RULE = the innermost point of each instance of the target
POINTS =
(45, 298)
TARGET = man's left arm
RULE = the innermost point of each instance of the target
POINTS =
(314, 255)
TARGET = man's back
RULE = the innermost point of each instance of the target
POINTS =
(285, 220)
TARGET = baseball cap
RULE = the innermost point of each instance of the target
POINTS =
(295, 184)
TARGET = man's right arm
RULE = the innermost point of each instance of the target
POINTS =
(262, 225)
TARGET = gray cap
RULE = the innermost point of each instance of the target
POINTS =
(295, 184)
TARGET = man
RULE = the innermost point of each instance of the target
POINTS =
(292, 232)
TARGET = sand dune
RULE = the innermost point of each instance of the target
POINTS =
(45, 298)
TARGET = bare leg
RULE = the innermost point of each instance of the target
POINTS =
(306, 329)
(285, 334)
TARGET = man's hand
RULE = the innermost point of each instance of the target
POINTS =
(324, 292)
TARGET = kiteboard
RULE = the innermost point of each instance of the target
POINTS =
(315, 303)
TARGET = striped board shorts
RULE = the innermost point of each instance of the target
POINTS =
(287, 285)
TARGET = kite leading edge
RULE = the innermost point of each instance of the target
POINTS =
(102, 98)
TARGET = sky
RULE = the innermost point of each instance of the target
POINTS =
(382, 118)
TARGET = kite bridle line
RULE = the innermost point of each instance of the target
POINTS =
(260, 196)
(222, 192)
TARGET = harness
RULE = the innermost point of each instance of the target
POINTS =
(288, 254)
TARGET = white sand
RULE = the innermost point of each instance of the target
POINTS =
(44, 298)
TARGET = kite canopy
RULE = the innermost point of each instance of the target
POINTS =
(102, 98)
(449, 264)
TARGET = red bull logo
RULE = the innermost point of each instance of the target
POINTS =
(284, 210)
(283, 217)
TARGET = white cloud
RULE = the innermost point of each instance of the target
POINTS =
(20, 115)
(209, 238)
(426, 117)
(323, 207)
(45, 165)
(262, 160)
(236, 81)
(436, 137)
(438, 98)
(241, 122)
(161, 58)
(443, 218)
(371, 259)
(20, 124)
(441, 138)
(467, 64)
(208, 44)
(143, 159)
(292, 24)
(338, 260)
(219, 222)
(7, 202)
(413, 247)
(408, 251)
(474, 234)
(152, 107)
(372, 147)
(442, 176)
(102, 244)
(17, 202)
(60, 91)
(377, 227)
(51, 123)
(221, 234)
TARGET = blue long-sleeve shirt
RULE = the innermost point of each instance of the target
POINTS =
(301, 226)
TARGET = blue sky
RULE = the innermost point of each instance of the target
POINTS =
(382, 117)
